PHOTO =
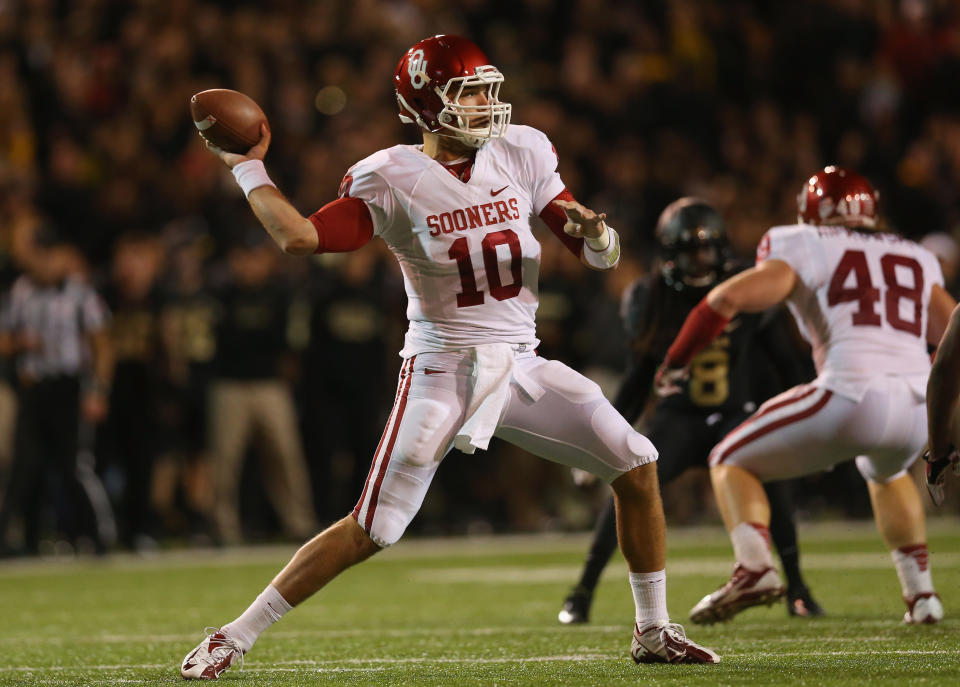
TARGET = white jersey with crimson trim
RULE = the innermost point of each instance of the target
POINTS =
(861, 300)
(469, 259)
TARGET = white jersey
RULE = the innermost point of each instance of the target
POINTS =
(469, 259)
(861, 300)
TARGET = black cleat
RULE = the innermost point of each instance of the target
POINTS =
(576, 607)
(801, 604)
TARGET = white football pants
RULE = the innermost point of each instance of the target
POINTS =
(809, 428)
(571, 423)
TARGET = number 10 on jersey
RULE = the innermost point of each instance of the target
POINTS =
(470, 294)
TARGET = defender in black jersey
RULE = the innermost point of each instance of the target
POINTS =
(750, 362)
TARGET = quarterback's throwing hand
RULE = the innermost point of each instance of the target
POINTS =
(257, 152)
(582, 222)
(668, 379)
(937, 472)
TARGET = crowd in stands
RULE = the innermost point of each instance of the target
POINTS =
(736, 101)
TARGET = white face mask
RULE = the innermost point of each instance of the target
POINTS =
(476, 124)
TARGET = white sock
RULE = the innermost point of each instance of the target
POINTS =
(267, 609)
(751, 546)
(650, 596)
(913, 569)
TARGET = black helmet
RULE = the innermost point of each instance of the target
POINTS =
(686, 227)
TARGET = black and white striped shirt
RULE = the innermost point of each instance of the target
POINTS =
(63, 316)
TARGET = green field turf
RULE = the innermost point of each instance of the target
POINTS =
(472, 612)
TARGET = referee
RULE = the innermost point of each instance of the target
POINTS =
(54, 324)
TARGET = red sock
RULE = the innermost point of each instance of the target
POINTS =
(751, 546)
(913, 569)
(763, 530)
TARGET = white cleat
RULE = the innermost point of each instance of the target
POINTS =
(744, 589)
(923, 609)
(212, 656)
(668, 644)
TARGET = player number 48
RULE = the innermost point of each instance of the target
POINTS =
(866, 295)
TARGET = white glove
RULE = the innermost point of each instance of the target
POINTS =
(937, 473)
(668, 379)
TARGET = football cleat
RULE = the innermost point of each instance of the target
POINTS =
(212, 656)
(668, 644)
(801, 604)
(923, 609)
(576, 607)
(744, 589)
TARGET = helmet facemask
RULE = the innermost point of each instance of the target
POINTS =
(699, 265)
(457, 118)
(698, 259)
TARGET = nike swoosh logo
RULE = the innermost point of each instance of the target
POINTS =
(497, 193)
(428, 371)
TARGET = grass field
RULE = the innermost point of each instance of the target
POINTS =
(472, 612)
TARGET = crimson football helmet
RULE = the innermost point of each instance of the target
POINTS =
(838, 196)
(430, 80)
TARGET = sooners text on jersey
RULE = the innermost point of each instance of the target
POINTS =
(469, 259)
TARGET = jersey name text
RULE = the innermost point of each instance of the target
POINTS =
(473, 217)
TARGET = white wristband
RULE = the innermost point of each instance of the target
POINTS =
(607, 257)
(599, 243)
(250, 175)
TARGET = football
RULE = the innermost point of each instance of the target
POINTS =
(228, 119)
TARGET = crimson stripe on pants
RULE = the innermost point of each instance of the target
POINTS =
(375, 494)
(774, 405)
(405, 372)
(782, 422)
(780, 404)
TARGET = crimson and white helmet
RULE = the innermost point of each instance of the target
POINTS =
(430, 79)
(838, 196)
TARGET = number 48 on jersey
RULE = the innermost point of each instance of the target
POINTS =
(863, 291)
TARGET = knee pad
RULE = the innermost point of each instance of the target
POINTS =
(626, 447)
(419, 446)
(400, 497)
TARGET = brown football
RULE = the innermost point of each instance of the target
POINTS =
(228, 119)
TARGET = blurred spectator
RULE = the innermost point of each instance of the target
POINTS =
(55, 325)
(127, 440)
(182, 482)
(250, 397)
(8, 418)
(945, 247)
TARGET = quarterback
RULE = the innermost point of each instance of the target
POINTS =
(455, 211)
(869, 302)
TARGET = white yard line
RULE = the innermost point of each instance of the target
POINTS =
(277, 634)
(385, 663)
(676, 567)
(333, 634)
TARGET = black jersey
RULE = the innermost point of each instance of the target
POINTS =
(750, 361)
